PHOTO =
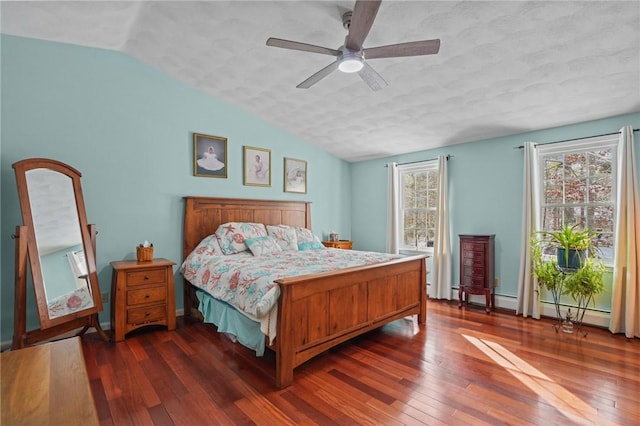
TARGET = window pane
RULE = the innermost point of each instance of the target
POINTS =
(421, 182)
(431, 219)
(553, 192)
(575, 216)
(421, 238)
(432, 199)
(421, 200)
(601, 189)
(600, 218)
(409, 219)
(600, 162)
(553, 169)
(408, 191)
(409, 238)
(421, 219)
(433, 180)
(575, 165)
(575, 191)
(552, 218)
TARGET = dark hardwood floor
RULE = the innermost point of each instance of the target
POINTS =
(463, 368)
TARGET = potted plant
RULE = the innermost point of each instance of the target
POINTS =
(573, 246)
(548, 274)
(582, 282)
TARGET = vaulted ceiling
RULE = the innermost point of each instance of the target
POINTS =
(503, 67)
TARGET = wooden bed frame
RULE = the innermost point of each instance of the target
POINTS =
(315, 312)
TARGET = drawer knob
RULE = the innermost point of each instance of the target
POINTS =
(146, 296)
(146, 314)
(146, 277)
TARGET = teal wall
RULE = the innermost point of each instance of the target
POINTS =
(127, 128)
(485, 190)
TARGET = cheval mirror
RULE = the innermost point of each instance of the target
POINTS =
(59, 245)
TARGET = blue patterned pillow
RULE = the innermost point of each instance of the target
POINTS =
(311, 245)
(263, 245)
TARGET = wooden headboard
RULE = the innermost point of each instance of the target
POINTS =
(203, 215)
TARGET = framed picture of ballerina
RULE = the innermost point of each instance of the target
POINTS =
(257, 166)
(295, 176)
(209, 156)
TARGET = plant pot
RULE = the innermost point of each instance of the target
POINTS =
(575, 259)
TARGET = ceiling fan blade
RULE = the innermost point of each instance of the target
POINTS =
(318, 76)
(413, 48)
(372, 78)
(295, 45)
(364, 13)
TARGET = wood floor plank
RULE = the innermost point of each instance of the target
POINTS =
(463, 367)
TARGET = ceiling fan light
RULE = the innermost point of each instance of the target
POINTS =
(351, 65)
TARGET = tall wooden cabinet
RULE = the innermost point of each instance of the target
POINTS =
(477, 264)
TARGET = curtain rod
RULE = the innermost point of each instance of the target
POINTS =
(422, 161)
(574, 139)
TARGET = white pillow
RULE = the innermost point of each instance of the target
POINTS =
(285, 236)
(263, 245)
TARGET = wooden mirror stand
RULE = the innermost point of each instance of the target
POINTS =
(59, 246)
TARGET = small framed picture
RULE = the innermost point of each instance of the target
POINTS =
(257, 166)
(209, 156)
(295, 175)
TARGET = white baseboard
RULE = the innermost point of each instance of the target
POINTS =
(6, 345)
(591, 317)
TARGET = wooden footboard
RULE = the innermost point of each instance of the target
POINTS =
(315, 312)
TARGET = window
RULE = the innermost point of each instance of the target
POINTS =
(578, 187)
(418, 205)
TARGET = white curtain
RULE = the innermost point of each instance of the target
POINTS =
(78, 265)
(393, 209)
(440, 287)
(625, 299)
(528, 303)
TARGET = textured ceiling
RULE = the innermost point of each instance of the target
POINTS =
(503, 67)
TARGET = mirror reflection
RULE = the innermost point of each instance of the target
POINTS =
(59, 241)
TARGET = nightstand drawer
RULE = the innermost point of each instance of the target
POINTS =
(148, 314)
(146, 295)
(150, 276)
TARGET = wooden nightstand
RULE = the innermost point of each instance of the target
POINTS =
(341, 244)
(142, 293)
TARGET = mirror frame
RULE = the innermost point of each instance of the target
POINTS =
(21, 168)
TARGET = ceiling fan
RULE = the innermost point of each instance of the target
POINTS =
(351, 57)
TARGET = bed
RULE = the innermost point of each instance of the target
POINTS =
(311, 314)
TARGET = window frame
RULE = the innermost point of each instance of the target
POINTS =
(418, 167)
(576, 147)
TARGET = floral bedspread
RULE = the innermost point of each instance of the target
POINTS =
(71, 302)
(247, 282)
